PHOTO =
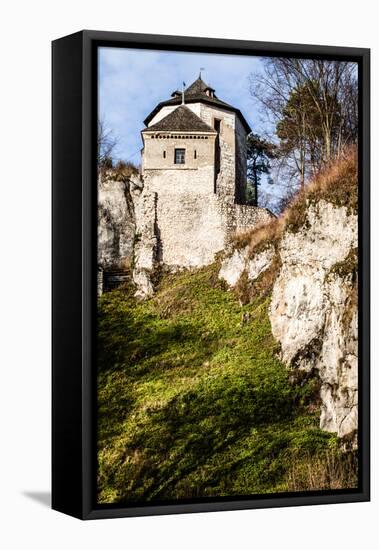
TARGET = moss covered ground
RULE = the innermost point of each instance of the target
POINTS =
(192, 400)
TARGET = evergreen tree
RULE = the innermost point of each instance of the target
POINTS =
(259, 154)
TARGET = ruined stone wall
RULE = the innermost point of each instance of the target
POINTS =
(240, 217)
(189, 227)
(146, 245)
(183, 219)
(244, 217)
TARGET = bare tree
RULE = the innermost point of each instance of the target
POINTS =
(312, 107)
(106, 143)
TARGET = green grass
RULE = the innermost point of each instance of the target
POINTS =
(194, 403)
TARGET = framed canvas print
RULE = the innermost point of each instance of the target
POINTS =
(210, 275)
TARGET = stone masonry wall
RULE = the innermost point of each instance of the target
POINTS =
(186, 215)
(244, 217)
(232, 177)
(189, 226)
(146, 245)
(159, 151)
(225, 185)
(241, 162)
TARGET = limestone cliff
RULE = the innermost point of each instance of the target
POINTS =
(116, 220)
(307, 260)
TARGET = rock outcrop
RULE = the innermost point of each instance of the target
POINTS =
(239, 262)
(313, 310)
(116, 222)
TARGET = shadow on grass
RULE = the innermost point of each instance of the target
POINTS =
(129, 338)
(137, 347)
(177, 441)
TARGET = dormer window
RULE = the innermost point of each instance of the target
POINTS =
(180, 156)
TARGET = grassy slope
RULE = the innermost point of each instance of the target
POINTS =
(193, 402)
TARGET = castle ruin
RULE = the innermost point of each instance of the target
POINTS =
(193, 193)
(194, 181)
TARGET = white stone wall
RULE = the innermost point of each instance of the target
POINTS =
(245, 216)
(146, 242)
(194, 107)
(194, 213)
(225, 184)
(231, 180)
(189, 224)
(159, 153)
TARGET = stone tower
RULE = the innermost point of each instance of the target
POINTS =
(199, 111)
(194, 178)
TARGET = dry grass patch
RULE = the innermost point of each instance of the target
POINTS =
(259, 238)
(326, 471)
(337, 184)
(246, 291)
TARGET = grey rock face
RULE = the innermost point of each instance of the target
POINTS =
(234, 265)
(313, 311)
(309, 308)
(338, 361)
(116, 222)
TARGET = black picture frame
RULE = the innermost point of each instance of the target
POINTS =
(74, 91)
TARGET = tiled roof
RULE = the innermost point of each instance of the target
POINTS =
(198, 87)
(182, 119)
(196, 93)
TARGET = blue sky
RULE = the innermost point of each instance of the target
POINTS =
(132, 82)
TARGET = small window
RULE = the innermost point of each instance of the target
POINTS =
(164, 154)
(195, 154)
(180, 155)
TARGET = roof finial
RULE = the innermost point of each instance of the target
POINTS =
(183, 86)
(201, 69)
